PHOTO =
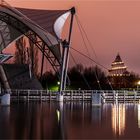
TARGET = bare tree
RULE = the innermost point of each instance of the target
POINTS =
(27, 55)
(20, 54)
(33, 57)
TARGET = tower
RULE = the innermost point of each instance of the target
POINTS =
(118, 73)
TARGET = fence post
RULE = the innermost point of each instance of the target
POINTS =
(28, 92)
(103, 97)
(124, 96)
(135, 95)
(18, 94)
(116, 97)
(41, 95)
(50, 94)
(83, 95)
(46, 94)
(71, 95)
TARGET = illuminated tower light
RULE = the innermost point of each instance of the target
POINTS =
(118, 68)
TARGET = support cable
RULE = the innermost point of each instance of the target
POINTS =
(80, 29)
(86, 82)
(86, 56)
(90, 44)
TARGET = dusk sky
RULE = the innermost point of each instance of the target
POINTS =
(112, 26)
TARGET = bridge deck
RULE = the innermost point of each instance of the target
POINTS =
(80, 95)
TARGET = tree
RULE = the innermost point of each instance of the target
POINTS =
(33, 54)
(96, 78)
(87, 78)
(48, 80)
(26, 53)
(75, 75)
(21, 53)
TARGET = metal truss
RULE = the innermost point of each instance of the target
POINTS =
(34, 37)
(44, 49)
(4, 35)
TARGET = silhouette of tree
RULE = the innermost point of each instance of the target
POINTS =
(96, 77)
(87, 78)
(80, 77)
(21, 53)
(48, 79)
(33, 53)
(75, 76)
(26, 55)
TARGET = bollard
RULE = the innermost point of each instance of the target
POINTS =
(96, 99)
(5, 99)
(60, 97)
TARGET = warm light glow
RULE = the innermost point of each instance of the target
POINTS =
(115, 63)
(58, 115)
(58, 83)
(116, 68)
(138, 83)
(114, 75)
(118, 119)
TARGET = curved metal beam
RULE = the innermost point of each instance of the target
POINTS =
(34, 37)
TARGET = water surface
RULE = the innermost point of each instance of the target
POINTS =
(72, 120)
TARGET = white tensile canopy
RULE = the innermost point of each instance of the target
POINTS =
(47, 24)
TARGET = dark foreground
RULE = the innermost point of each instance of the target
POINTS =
(77, 120)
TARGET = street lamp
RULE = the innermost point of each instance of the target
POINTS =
(58, 83)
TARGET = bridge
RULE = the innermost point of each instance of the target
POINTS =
(43, 28)
(97, 97)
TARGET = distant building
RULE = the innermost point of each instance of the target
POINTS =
(118, 73)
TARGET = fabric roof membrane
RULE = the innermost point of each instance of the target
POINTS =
(47, 24)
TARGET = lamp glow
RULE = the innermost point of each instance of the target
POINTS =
(138, 83)
(58, 83)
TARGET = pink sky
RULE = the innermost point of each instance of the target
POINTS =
(112, 26)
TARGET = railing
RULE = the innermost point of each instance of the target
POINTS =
(72, 95)
(50, 95)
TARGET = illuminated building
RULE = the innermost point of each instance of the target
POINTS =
(118, 68)
(118, 73)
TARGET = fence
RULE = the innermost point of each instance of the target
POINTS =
(74, 95)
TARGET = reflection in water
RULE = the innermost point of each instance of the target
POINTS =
(72, 120)
(96, 114)
(58, 115)
(61, 125)
(30, 121)
(4, 121)
(139, 115)
(118, 119)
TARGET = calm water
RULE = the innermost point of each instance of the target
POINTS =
(75, 120)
